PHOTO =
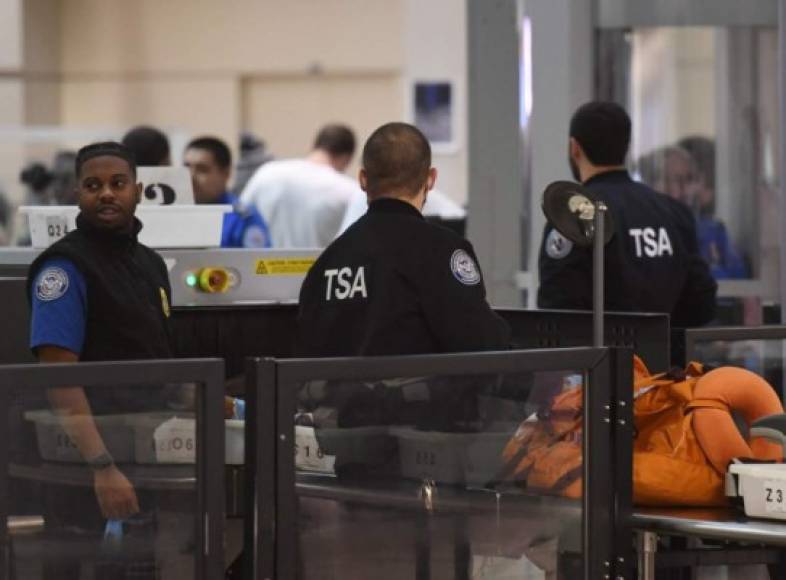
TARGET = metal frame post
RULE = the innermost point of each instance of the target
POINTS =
(782, 156)
(647, 547)
(494, 145)
(597, 274)
(260, 438)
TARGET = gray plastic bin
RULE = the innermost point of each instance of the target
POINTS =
(54, 444)
(166, 438)
(457, 458)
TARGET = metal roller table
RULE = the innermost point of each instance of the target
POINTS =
(767, 538)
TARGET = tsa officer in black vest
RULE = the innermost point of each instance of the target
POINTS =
(652, 263)
(98, 294)
(393, 283)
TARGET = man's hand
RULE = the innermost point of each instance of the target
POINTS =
(116, 496)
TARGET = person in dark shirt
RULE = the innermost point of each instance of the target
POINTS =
(652, 263)
(393, 283)
(150, 146)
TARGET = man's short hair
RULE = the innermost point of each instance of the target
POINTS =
(396, 157)
(150, 146)
(336, 140)
(104, 148)
(220, 151)
(603, 131)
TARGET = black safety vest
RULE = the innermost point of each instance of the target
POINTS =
(128, 295)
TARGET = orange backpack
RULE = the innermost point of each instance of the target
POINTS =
(669, 466)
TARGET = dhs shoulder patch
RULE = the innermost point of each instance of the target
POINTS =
(255, 237)
(51, 284)
(557, 245)
(464, 268)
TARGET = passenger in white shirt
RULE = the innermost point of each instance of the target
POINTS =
(438, 204)
(304, 201)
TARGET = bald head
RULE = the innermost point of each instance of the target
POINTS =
(396, 162)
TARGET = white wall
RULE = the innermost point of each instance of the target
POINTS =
(10, 35)
(11, 114)
(279, 67)
(12, 89)
(241, 36)
(673, 86)
(435, 49)
(287, 110)
(210, 67)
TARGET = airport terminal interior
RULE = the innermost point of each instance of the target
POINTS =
(392, 289)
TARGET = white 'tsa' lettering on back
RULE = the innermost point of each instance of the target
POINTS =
(348, 284)
(650, 243)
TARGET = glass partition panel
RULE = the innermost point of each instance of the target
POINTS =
(453, 466)
(107, 476)
(758, 349)
(703, 102)
(427, 448)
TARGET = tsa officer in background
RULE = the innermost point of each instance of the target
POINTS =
(393, 283)
(210, 163)
(652, 263)
(98, 294)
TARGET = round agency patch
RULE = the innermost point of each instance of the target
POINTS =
(557, 245)
(254, 237)
(464, 268)
(52, 283)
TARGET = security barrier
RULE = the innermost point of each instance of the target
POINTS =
(387, 464)
(170, 523)
(760, 349)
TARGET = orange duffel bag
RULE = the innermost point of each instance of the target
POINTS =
(685, 436)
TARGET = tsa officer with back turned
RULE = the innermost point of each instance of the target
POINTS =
(652, 263)
(393, 283)
(98, 294)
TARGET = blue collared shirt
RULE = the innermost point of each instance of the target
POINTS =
(59, 306)
(244, 227)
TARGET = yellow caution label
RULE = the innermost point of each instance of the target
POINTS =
(278, 266)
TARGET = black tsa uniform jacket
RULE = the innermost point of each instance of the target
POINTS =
(652, 263)
(396, 284)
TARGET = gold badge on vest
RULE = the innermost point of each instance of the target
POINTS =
(164, 302)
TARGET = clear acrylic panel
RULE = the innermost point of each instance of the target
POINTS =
(704, 107)
(764, 357)
(463, 476)
(138, 519)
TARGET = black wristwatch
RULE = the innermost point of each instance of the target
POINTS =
(101, 461)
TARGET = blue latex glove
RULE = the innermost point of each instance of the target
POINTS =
(240, 409)
(113, 532)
